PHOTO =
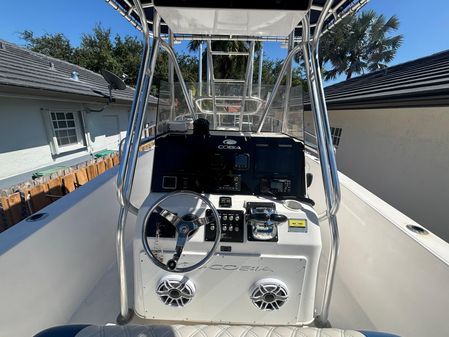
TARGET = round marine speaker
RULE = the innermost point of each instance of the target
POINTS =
(269, 294)
(175, 290)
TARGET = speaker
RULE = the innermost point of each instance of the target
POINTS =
(269, 294)
(175, 290)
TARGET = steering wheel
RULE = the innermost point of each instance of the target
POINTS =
(184, 226)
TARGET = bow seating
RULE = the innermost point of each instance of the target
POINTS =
(201, 331)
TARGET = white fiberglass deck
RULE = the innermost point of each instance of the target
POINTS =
(63, 270)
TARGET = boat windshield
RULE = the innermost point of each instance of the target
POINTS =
(227, 110)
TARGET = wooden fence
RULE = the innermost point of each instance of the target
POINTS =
(27, 198)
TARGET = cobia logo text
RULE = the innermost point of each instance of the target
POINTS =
(229, 144)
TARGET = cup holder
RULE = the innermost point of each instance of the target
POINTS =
(293, 205)
(417, 229)
(37, 217)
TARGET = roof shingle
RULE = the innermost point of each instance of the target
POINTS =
(421, 82)
(21, 67)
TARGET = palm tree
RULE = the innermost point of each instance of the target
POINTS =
(360, 43)
(226, 66)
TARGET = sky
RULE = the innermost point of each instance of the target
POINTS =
(425, 28)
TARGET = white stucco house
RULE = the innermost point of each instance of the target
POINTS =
(391, 129)
(54, 113)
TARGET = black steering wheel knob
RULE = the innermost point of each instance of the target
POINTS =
(171, 264)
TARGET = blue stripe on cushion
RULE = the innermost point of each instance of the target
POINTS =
(377, 334)
(62, 331)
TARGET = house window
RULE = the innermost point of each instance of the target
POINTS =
(336, 136)
(65, 128)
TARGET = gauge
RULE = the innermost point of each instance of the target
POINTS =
(241, 162)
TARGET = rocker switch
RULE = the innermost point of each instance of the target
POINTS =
(225, 202)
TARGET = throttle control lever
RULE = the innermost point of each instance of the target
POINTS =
(265, 216)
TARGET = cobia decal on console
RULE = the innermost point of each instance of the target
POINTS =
(230, 267)
(229, 144)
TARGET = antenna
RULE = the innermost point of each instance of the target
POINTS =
(115, 82)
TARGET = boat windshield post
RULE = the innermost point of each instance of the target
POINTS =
(327, 133)
(208, 88)
(251, 75)
(171, 77)
(125, 176)
(172, 55)
(288, 83)
(326, 151)
(247, 86)
(211, 81)
(259, 75)
(277, 84)
(200, 69)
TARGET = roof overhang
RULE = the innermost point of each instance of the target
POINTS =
(15, 91)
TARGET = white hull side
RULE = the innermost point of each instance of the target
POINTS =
(64, 271)
(49, 268)
(388, 278)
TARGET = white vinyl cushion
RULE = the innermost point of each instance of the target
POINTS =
(211, 331)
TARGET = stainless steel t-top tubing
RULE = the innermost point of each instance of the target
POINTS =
(247, 86)
(125, 176)
(326, 151)
(324, 162)
(171, 78)
(259, 76)
(211, 81)
(336, 195)
(288, 85)
(185, 91)
(276, 86)
(200, 69)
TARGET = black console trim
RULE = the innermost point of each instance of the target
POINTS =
(219, 164)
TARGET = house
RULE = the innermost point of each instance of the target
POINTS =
(391, 130)
(54, 113)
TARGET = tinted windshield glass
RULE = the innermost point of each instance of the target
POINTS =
(224, 109)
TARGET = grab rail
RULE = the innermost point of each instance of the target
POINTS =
(125, 176)
(326, 152)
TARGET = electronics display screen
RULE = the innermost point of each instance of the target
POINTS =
(279, 162)
(241, 161)
(229, 165)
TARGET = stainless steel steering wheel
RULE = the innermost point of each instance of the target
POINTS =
(184, 226)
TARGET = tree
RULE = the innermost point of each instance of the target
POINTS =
(96, 52)
(272, 68)
(128, 52)
(358, 44)
(226, 66)
(99, 50)
(54, 45)
(187, 63)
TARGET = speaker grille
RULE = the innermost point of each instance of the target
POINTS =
(269, 294)
(175, 291)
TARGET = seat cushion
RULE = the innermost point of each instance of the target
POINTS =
(199, 331)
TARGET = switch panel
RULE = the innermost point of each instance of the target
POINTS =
(232, 226)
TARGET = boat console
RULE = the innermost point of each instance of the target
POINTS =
(230, 164)
(238, 199)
